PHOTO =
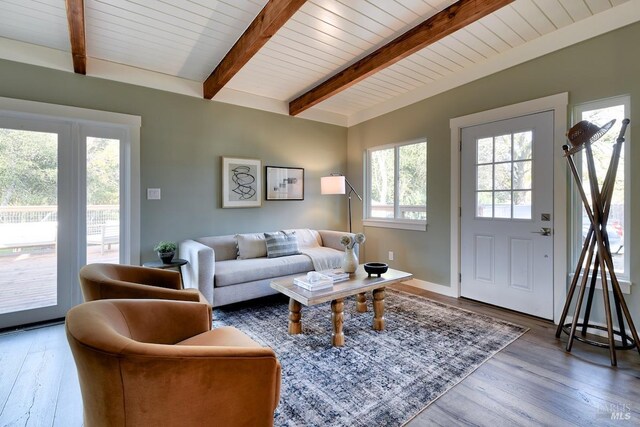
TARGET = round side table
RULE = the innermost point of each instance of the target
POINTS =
(176, 263)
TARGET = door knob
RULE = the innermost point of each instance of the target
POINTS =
(545, 231)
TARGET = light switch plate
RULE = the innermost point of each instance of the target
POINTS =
(153, 194)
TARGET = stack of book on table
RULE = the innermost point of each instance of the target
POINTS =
(315, 280)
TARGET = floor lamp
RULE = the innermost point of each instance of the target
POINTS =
(337, 184)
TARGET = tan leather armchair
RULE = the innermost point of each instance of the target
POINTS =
(153, 362)
(115, 281)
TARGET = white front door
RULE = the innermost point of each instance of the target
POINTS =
(506, 216)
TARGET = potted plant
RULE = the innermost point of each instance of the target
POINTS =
(166, 251)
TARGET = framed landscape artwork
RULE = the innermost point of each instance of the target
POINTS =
(241, 183)
(285, 183)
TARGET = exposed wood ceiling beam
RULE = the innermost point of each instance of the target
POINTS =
(273, 16)
(440, 25)
(75, 16)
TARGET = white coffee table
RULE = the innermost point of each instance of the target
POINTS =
(358, 284)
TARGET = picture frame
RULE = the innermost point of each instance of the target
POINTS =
(241, 182)
(284, 183)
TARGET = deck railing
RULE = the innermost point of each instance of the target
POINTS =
(29, 226)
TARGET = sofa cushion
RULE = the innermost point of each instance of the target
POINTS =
(251, 245)
(247, 270)
(224, 247)
(281, 244)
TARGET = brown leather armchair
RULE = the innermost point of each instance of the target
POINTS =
(153, 362)
(115, 281)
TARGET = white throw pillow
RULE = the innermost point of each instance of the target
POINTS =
(251, 246)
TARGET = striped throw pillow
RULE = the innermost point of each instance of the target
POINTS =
(281, 244)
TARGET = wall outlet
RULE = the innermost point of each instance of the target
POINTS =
(390, 255)
(153, 194)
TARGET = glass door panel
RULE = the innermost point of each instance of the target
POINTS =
(103, 200)
(28, 220)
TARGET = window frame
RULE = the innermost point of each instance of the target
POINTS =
(576, 202)
(395, 222)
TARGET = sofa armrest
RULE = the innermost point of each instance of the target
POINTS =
(331, 239)
(199, 272)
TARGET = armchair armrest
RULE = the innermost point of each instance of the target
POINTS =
(129, 290)
(331, 239)
(199, 272)
(161, 278)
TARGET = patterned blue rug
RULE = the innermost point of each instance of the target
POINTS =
(377, 378)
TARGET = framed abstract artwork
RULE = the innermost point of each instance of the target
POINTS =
(284, 183)
(241, 183)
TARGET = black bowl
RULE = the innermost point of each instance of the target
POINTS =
(376, 268)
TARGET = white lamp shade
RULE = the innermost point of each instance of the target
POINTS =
(332, 185)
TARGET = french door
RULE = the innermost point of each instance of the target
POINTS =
(60, 207)
(506, 216)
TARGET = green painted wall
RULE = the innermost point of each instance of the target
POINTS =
(598, 68)
(182, 140)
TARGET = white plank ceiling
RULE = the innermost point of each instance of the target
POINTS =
(188, 38)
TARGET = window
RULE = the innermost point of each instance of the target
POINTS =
(503, 176)
(397, 186)
(599, 113)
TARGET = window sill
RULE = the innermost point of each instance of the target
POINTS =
(397, 224)
(625, 284)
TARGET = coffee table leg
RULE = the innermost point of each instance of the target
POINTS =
(337, 337)
(378, 309)
(295, 326)
(361, 303)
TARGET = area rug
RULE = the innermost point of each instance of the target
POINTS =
(377, 378)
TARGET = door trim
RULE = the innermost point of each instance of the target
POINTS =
(558, 104)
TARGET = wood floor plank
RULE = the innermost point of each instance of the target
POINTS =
(531, 382)
(69, 405)
(13, 352)
(35, 392)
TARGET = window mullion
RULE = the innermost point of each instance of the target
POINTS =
(396, 183)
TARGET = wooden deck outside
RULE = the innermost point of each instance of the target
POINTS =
(28, 278)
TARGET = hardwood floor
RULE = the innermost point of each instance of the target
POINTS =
(533, 381)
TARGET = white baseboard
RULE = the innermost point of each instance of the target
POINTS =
(433, 287)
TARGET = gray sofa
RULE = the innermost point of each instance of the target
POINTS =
(233, 268)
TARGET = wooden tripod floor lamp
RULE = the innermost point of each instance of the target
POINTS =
(596, 249)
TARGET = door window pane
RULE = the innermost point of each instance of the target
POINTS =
(522, 204)
(522, 145)
(502, 148)
(103, 200)
(28, 219)
(485, 150)
(485, 177)
(485, 204)
(522, 175)
(502, 180)
(502, 204)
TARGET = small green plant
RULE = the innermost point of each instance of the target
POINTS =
(164, 247)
